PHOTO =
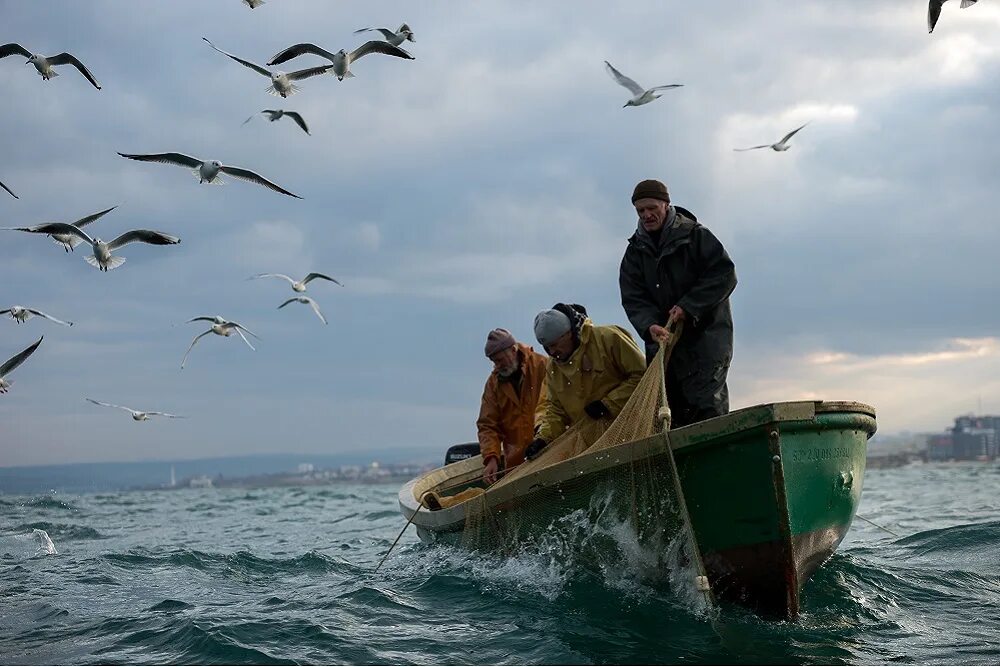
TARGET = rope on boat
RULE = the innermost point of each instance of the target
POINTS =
(878, 526)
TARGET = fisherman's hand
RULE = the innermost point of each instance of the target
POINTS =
(535, 448)
(490, 472)
(676, 314)
(596, 410)
(659, 334)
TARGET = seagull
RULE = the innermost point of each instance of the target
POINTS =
(207, 171)
(253, 4)
(220, 327)
(71, 241)
(640, 95)
(11, 192)
(22, 314)
(395, 38)
(298, 286)
(281, 83)
(341, 60)
(102, 257)
(275, 114)
(44, 63)
(14, 362)
(934, 11)
(307, 300)
(781, 146)
(137, 415)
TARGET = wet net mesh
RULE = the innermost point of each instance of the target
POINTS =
(628, 507)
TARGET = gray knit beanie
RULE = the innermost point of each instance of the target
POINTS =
(498, 340)
(549, 325)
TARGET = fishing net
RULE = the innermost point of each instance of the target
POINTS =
(594, 475)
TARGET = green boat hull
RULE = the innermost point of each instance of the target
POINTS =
(770, 492)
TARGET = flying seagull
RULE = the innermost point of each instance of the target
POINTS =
(341, 60)
(394, 37)
(14, 362)
(9, 191)
(934, 11)
(44, 63)
(781, 146)
(281, 83)
(71, 241)
(306, 300)
(275, 114)
(102, 257)
(23, 314)
(208, 171)
(253, 4)
(300, 285)
(220, 327)
(640, 95)
(137, 415)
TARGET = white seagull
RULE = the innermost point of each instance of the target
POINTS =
(44, 63)
(341, 60)
(102, 257)
(22, 314)
(253, 4)
(934, 11)
(394, 37)
(281, 83)
(781, 146)
(297, 285)
(306, 300)
(275, 114)
(11, 192)
(640, 95)
(137, 415)
(14, 362)
(208, 171)
(71, 241)
(220, 327)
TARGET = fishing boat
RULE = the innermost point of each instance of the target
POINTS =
(765, 494)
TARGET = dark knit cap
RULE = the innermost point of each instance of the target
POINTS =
(650, 189)
(498, 340)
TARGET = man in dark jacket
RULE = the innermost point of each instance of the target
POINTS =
(674, 269)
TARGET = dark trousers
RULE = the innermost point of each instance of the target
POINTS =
(698, 396)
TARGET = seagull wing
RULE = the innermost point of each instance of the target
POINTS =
(273, 275)
(247, 175)
(57, 228)
(388, 34)
(9, 191)
(298, 75)
(166, 414)
(4, 312)
(623, 80)
(48, 317)
(668, 86)
(791, 134)
(237, 330)
(315, 307)
(933, 13)
(246, 63)
(299, 120)
(378, 46)
(294, 298)
(753, 148)
(111, 405)
(240, 326)
(251, 118)
(13, 49)
(178, 159)
(312, 276)
(297, 50)
(196, 338)
(143, 236)
(19, 358)
(70, 59)
(90, 218)
(201, 318)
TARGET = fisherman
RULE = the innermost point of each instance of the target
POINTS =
(591, 373)
(676, 270)
(510, 402)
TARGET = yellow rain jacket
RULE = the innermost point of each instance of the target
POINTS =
(606, 367)
(507, 417)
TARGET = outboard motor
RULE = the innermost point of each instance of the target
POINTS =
(461, 452)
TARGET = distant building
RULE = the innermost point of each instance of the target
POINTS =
(972, 438)
(202, 482)
(305, 468)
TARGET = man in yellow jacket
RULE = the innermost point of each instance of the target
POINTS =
(591, 373)
(514, 393)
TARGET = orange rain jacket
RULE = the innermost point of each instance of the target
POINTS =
(507, 418)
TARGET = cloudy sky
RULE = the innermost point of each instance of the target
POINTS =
(476, 185)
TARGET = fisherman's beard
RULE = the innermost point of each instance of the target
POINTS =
(510, 370)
